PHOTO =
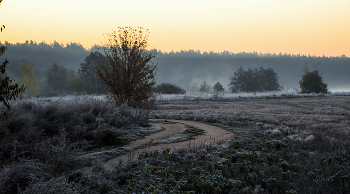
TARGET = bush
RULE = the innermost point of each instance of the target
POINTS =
(59, 185)
(167, 88)
(312, 82)
(19, 175)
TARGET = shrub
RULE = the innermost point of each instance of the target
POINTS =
(167, 88)
(312, 82)
(59, 185)
(20, 174)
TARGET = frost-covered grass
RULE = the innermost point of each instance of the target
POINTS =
(283, 145)
(61, 99)
(231, 96)
(48, 136)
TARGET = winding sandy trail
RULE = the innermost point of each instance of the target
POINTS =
(212, 133)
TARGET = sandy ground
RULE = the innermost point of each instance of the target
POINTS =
(212, 133)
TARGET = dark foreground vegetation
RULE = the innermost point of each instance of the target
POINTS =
(44, 141)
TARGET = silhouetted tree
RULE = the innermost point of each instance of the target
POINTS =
(129, 73)
(28, 79)
(77, 84)
(218, 87)
(312, 81)
(167, 88)
(87, 71)
(268, 79)
(13, 67)
(58, 79)
(238, 81)
(7, 91)
(3, 26)
(254, 80)
(204, 87)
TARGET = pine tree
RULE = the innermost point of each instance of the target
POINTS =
(218, 87)
(57, 79)
(87, 71)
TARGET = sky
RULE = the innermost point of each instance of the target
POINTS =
(315, 27)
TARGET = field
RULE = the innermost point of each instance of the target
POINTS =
(283, 143)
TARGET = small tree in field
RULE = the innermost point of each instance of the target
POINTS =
(129, 72)
(204, 87)
(312, 82)
(218, 87)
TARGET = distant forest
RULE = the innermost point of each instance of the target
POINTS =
(186, 69)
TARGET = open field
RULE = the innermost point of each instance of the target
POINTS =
(293, 115)
(282, 144)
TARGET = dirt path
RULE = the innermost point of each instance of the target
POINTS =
(212, 133)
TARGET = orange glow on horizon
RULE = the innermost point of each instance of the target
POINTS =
(315, 27)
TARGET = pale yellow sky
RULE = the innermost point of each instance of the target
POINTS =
(313, 27)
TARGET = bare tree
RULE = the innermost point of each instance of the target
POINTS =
(204, 87)
(129, 72)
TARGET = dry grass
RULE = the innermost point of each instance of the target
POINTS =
(294, 145)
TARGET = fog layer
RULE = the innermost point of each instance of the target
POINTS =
(188, 68)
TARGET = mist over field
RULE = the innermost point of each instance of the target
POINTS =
(187, 68)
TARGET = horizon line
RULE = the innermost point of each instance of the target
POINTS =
(179, 51)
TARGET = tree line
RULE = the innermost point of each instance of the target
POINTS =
(62, 80)
(254, 80)
(183, 68)
(126, 71)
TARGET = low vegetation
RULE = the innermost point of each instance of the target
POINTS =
(168, 88)
(46, 137)
(312, 81)
(281, 146)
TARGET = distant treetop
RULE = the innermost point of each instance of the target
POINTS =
(188, 53)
